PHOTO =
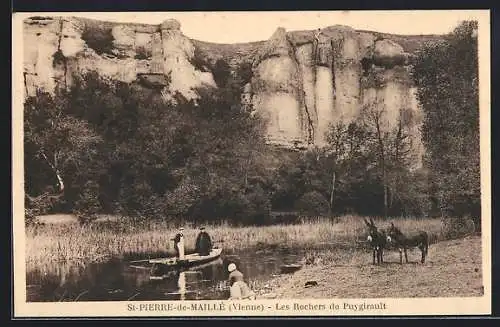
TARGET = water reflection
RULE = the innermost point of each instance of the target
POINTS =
(118, 281)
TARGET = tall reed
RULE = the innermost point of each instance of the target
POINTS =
(128, 239)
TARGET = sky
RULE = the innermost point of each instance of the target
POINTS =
(234, 27)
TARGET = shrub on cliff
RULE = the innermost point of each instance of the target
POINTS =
(199, 60)
(98, 38)
(58, 58)
(245, 72)
(232, 83)
(221, 72)
(142, 53)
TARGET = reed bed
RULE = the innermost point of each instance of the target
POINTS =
(126, 239)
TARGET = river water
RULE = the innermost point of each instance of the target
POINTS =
(118, 280)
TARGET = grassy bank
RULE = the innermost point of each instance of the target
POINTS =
(452, 268)
(70, 242)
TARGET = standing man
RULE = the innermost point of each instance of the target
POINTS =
(179, 244)
(203, 243)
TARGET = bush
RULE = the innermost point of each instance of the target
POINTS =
(87, 206)
(457, 227)
(258, 207)
(58, 58)
(29, 217)
(312, 204)
(245, 72)
(285, 218)
(221, 72)
(40, 205)
(252, 208)
(199, 60)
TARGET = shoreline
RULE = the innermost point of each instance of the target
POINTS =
(343, 266)
(452, 269)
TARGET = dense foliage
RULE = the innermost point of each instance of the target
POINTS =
(446, 74)
(110, 147)
(122, 148)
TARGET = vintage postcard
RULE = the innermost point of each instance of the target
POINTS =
(330, 163)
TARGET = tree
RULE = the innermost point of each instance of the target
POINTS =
(340, 172)
(400, 158)
(61, 143)
(226, 140)
(391, 146)
(374, 118)
(346, 150)
(112, 109)
(446, 75)
(123, 148)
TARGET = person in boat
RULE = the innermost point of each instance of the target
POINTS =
(203, 243)
(238, 288)
(179, 244)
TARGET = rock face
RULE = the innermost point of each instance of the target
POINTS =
(178, 52)
(275, 88)
(55, 48)
(302, 81)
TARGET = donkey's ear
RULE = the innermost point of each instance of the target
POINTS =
(392, 224)
(371, 220)
(366, 222)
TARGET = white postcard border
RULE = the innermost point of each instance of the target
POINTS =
(394, 306)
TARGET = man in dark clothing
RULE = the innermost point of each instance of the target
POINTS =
(203, 242)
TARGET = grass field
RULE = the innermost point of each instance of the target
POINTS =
(60, 240)
(453, 268)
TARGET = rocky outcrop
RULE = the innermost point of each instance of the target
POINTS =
(387, 53)
(324, 85)
(302, 81)
(276, 90)
(306, 67)
(178, 52)
(41, 42)
(56, 48)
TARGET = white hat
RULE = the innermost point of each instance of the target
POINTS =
(231, 267)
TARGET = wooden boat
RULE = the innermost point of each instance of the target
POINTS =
(287, 269)
(172, 272)
(189, 260)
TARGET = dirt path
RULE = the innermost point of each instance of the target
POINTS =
(452, 269)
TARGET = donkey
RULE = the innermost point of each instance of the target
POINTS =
(403, 242)
(377, 240)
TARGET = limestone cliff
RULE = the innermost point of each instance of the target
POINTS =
(302, 81)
